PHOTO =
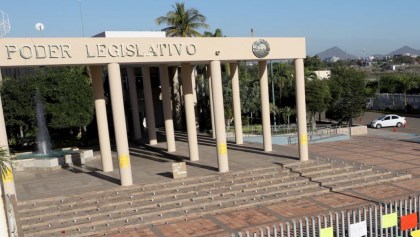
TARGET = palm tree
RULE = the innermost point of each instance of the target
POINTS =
(287, 112)
(182, 22)
(5, 162)
(407, 82)
(217, 33)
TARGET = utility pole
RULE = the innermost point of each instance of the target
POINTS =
(272, 93)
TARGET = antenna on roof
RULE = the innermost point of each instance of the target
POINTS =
(4, 24)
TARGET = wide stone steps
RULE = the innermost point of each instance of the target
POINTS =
(144, 189)
(239, 188)
(163, 191)
(341, 175)
(109, 211)
(133, 218)
(162, 199)
(370, 181)
(329, 171)
(350, 174)
(152, 212)
(338, 172)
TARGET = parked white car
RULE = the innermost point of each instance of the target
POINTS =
(388, 120)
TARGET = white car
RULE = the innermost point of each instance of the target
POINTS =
(388, 120)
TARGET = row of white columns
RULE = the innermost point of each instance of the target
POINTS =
(217, 110)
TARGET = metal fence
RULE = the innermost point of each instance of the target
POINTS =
(393, 101)
(395, 218)
(290, 130)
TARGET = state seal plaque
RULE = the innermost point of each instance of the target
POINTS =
(260, 48)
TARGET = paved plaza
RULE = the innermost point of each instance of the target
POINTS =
(391, 151)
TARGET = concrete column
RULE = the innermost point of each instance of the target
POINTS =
(167, 107)
(148, 101)
(8, 180)
(265, 106)
(234, 73)
(301, 110)
(3, 217)
(101, 118)
(193, 82)
(213, 130)
(219, 116)
(132, 90)
(176, 95)
(186, 71)
(120, 128)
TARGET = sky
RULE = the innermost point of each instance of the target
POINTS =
(376, 26)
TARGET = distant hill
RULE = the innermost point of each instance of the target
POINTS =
(335, 52)
(405, 50)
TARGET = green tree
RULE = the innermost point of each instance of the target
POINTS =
(283, 80)
(406, 83)
(347, 93)
(69, 97)
(317, 97)
(217, 33)
(182, 22)
(68, 101)
(404, 59)
(19, 107)
(389, 83)
(286, 113)
(250, 90)
(314, 63)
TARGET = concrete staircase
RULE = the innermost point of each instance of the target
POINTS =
(97, 213)
(341, 175)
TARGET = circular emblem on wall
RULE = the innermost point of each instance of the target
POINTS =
(260, 48)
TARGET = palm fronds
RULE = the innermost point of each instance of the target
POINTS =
(5, 162)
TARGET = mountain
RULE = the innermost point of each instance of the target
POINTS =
(405, 51)
(335, 52)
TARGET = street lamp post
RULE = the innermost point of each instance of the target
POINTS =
(272, 93)
(379, 93)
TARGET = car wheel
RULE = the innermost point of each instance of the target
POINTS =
(378, 125)
(399, 124)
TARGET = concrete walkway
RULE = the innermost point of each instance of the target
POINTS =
(387, 150)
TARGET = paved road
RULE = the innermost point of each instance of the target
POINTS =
(413, 122)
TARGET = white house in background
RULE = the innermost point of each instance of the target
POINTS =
(332, 59)
(131, 34)
(323, 74)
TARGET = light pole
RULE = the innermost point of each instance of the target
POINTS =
(81, 18)
(272, 93)
(379, 93)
